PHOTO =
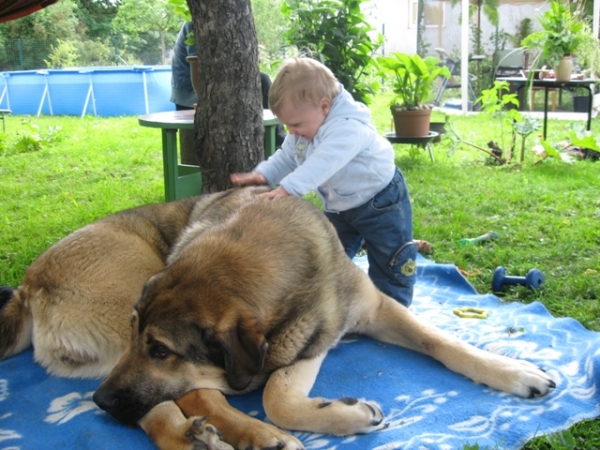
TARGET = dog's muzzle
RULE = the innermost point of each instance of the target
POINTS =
(119, 404)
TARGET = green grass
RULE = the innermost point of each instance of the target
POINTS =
(91, 167)
(53, 181)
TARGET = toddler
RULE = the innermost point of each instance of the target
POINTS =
(332, 149)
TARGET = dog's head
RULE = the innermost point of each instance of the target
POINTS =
(185, 335)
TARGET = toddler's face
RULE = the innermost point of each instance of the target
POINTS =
(304, 120)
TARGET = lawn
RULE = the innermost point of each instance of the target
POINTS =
(60, 173)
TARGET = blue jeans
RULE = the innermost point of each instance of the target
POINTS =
(384, 225)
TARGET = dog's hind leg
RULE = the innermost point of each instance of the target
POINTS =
(237, 428)
(391, 322)
(16, 323)
(287, 404)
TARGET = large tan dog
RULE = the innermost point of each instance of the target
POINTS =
(254, 292)
(74, 306)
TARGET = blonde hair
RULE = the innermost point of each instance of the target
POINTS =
(302, 80)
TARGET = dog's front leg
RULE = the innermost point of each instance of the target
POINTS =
(391, 322)
(169, 429)
(237, 428)
(287, 404)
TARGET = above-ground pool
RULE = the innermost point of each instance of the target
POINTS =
(98, 91)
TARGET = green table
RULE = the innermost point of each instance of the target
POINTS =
(182, 180)
(551, 83)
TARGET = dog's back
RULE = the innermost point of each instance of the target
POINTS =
(270, 272)
(76, 298)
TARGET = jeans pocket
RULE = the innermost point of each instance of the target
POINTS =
(403, 264)
(391, 196)
(387, 199)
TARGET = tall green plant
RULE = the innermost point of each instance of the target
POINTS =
(498, 104)
(143, 21)
(412, 78)
(561, 34)
(64, 54)
(523, 29)
(336, 32)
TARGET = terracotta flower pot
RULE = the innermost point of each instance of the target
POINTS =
(411, 123)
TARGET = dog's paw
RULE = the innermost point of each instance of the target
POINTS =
(267, 436)
(529, 380)
(351, 416)
(204, 436)
(514, 376)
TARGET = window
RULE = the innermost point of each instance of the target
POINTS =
(433, 13)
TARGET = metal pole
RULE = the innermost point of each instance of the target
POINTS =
(20, 48)
(464, 56)
(596, 18)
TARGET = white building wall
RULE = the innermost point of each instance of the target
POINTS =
(447, 36)
(396, 20)
(392, 18)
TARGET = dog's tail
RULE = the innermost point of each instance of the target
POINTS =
(16, 323)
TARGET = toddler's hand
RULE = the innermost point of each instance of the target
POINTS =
(280, 192)
(248, 179)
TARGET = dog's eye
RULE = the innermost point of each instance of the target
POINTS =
(215, 354)
(159, 351)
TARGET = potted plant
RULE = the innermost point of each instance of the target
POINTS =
(561, 37)
(412, 82)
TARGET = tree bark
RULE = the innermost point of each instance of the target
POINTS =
(228, 124)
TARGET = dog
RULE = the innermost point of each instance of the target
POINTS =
(229, 292)
(254, 294)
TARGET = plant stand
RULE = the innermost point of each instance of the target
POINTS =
(424, 141)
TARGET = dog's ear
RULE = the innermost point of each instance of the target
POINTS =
(6, 293)
(244, 349)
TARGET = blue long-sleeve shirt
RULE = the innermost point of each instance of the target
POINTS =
(346, 163)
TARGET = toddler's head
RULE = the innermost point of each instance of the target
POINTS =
(302, 81)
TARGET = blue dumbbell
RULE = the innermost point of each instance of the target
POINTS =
(533, 280)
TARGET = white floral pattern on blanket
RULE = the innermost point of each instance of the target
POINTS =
(426, 406)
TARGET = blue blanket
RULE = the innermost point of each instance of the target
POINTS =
(426, 405)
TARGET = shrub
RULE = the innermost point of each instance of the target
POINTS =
(336, 33)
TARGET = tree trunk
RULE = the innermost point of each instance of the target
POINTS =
(228, 123)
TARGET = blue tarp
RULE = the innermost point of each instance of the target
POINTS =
(426, 406)
(101, 91)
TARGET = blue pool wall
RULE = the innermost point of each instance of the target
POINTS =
(97, 91)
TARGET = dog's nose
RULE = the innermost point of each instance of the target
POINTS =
(105, 401)
(119, 405)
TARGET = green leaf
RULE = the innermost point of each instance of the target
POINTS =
(562, 439)
(587, 141)
(336, 33)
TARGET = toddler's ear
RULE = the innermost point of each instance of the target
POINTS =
(325, 105)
